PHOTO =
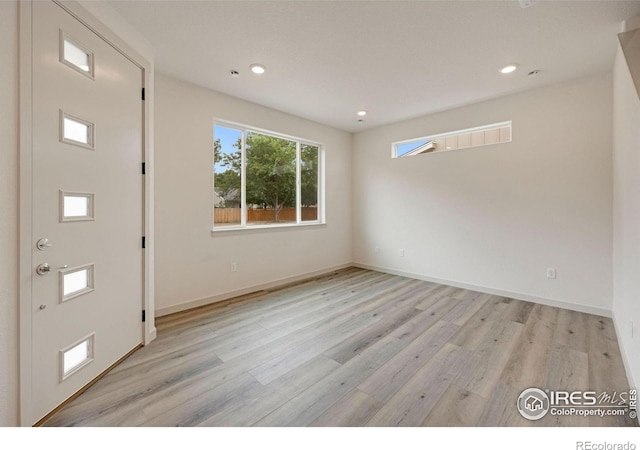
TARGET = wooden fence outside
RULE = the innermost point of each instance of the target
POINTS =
(232, 215)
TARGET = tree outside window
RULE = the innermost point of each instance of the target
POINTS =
(271, 170)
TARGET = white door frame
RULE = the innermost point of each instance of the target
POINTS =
(25, 203)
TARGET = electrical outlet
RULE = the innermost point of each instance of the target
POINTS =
(234, 267)
(401, 253)
(551, 273)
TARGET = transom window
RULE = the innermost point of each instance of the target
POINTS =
(496, 133)
(263, 179)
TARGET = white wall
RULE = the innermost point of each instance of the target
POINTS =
(114, 21)
(9, 213)
(626, 215)
(192, 266)
(495, 217)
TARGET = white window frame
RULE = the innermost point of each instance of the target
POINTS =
(91, 136)
(91, 269)
(244, 129)
(90, 357)
(90, 73)
(91, 210)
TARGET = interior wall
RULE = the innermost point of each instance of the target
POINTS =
(494, 218)
(9, 215)
(114, 21)
(192, 265)
(626, 215)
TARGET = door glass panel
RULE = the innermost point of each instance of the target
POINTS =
(76, 206)
(77, 356)
(76, 282)
(75, 56)
(76, 131)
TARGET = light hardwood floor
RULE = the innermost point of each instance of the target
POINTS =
(356, 348)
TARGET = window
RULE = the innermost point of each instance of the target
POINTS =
(76, 56)
(76, 206)
(471, 137)
(264, 179)
(75, 357)
(76, 131)
(76, 282)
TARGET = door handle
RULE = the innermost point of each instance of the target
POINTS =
(45, 268)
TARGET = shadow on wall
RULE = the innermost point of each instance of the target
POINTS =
(630, 43)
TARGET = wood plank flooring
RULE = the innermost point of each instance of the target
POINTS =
(356, 348)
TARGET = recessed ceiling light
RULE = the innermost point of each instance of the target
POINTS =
(508, 69)
(258, 68)
(362, 113)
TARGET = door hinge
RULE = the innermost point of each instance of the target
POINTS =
(144, 168)
(144, 315)
(144, 243)
(142, 94)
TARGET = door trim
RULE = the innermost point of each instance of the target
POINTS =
(26, 177)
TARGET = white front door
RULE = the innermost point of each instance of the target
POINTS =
(87, 258)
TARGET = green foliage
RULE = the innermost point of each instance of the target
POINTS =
(271, 172)
(228, 188)
(217, 148)
(227, 183)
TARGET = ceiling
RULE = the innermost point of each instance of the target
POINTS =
(395, 59)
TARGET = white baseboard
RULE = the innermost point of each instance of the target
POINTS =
(487, 290)
(282, 281)
(623, 352)
(248, 290)
(625, 355)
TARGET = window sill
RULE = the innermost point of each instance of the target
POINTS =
(263, 228)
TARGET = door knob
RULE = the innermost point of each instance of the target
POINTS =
(45, 268)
